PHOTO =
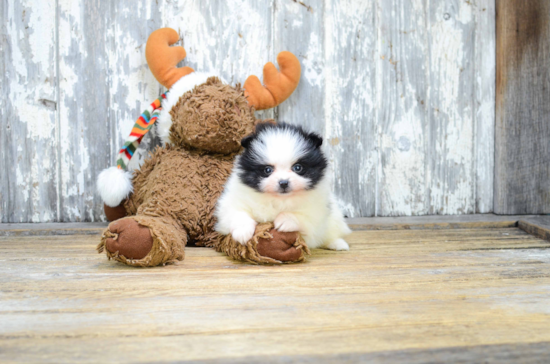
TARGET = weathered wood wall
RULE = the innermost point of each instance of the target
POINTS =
(403, 91)
(522, 140)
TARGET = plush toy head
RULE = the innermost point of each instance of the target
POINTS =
(213, 117)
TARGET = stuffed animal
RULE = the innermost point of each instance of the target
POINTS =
(169, 201)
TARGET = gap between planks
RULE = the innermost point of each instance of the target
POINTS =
(532, 224)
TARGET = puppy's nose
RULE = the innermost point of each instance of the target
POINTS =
(283, 184)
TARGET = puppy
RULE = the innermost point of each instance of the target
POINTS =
(281, 177)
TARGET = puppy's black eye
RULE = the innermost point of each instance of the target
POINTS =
(268, 170)
(297, 168)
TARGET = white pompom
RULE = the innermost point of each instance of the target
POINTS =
(114, 185)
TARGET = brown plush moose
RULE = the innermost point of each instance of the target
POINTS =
(169, 201)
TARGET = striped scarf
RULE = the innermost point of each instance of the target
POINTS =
(141, 127)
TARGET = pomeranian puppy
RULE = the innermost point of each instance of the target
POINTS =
(280, 177)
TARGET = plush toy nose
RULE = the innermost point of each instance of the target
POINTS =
(283, 184)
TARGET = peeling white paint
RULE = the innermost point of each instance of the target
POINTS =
(312, 69)
(28, 49)
(404, 100)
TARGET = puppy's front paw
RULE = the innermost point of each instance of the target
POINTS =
(338, 244)
(244, 232)
(286, 223)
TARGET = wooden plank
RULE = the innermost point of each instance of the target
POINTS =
(87, 228)
(481, 221)
(395, 294)
(403, 124)
(429, 162)
(28, 187)
(529, 353)
(522, 151)
(350, 103)
(506, 353)
(435, 225)
(484, 104)
(83, 106)
(538, 226)
(451, 72)
(4, 186)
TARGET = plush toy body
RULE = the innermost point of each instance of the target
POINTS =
(170, 200)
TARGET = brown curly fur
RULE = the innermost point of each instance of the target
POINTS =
(213, 117)
(183, 185)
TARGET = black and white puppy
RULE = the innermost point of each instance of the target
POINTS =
(281, 177)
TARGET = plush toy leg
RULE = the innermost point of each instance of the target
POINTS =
(144, 241)
(267, 246)
(126, 208)
(115, 213)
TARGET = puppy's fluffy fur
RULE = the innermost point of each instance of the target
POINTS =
(280, 177)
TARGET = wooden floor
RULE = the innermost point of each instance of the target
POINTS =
(397, 295)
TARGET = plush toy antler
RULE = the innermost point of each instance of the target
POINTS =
(162, 59)
(278, 85)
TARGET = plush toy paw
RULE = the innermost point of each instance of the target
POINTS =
(286, 222)
(280, 246)
(267, 246)
(144, 241)
(129, 239)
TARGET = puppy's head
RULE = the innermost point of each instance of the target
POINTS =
(281, 159)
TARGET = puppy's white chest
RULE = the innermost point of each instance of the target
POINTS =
(269, 210)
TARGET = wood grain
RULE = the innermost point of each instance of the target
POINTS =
(83, 106)
(484, 104)
(350, 103)
(450, 140)
(522, 148)
(538, 226)
(476, 221)
(436, 117)
(403, 127)
(29, 161)
(403, 93)
(393, 291)
(506, 353)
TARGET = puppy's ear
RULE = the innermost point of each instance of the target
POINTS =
(245, 142)
(316, 139)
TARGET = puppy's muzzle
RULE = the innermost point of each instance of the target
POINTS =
(284, 185)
